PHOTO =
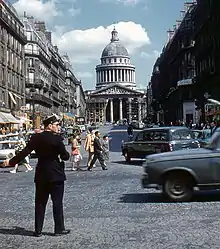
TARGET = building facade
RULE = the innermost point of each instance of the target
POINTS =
(174, 72)
(12, 67)
(50, 82)
(207, 54)
(115, 97)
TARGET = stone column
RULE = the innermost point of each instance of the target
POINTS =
(106, 75)
(134, 76)
(111, 111)
(120, 75)
(139, 110)
(129, 111)
(109, 75)
(124, 71)
(120, 110)
(117, 75)
(113, 74)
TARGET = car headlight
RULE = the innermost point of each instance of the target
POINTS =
(10, 155)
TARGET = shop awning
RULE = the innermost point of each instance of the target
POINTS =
(8, 118)
(68, 116)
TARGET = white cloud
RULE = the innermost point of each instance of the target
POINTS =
(43, 11)
(85, 46)
(152, 55)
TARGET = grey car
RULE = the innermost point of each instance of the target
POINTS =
(178, 173)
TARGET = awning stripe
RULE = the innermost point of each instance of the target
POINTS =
(12, 98)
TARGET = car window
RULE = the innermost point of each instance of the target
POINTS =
(181, 135)
(160, 136)
(140, 136)
(148, 135)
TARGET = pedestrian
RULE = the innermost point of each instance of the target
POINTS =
(89, 145)
(49, 174)
(98, 150)
(76, 155)
(105, 145)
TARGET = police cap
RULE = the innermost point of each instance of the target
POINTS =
(51, 119)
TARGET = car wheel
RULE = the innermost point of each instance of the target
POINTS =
(178, 187)
(127, 157)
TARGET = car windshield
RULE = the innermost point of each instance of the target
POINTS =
(7, 145)
(181, 134)
(214, 141)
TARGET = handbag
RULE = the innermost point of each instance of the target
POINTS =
(75, 152)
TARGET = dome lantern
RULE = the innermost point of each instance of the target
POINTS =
(114, 35)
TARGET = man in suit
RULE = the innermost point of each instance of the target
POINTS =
(97, 153)
(49, 174)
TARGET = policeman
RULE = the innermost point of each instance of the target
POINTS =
(49, 174)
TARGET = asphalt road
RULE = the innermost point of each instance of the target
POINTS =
(108, 209)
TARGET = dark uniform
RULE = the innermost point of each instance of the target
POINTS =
(49, 176)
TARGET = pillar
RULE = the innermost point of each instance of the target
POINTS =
(106, 75)
(109, 76)
(120, 75)
(129, 111)
(120, 110)
(117, 70)
(139, 110)
(113, 74)
(111, 111)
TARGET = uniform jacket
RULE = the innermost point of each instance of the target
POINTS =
(50, 151)
(97, 146)
(89, 143)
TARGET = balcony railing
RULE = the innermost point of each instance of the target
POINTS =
(17, 30)
(40, 98)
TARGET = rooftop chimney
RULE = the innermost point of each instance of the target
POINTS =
(48, 35)
(40, 26)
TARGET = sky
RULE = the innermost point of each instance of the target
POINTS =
(82, 29)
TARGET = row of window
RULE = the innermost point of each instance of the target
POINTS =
(115, 60)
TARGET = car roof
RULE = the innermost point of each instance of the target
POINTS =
(167, 128)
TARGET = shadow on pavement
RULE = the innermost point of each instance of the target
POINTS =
(199, 196)
(20, 231)
(133, 162)
(16, 231)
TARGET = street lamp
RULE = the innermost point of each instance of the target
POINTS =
(32, 91)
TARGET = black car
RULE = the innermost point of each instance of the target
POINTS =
(157, 140)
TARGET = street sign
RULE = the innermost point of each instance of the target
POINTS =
(24, 108)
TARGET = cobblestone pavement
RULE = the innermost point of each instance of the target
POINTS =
(108, 209)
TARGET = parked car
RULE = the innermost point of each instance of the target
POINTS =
(203, 136)
(157, 140)
(178, 173)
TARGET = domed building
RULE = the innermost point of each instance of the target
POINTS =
(115, 98)
(115, 65)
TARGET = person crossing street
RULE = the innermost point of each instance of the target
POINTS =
(98, 150)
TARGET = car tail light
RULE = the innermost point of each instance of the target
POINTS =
(171, 146)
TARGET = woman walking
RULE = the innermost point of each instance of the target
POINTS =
(76, 155)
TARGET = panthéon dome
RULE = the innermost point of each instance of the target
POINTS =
(115, 48)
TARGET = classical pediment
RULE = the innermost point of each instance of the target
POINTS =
(116, 89)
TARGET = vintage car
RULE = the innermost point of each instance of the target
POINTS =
(179, 173)
(157, 140)
(7, 149)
